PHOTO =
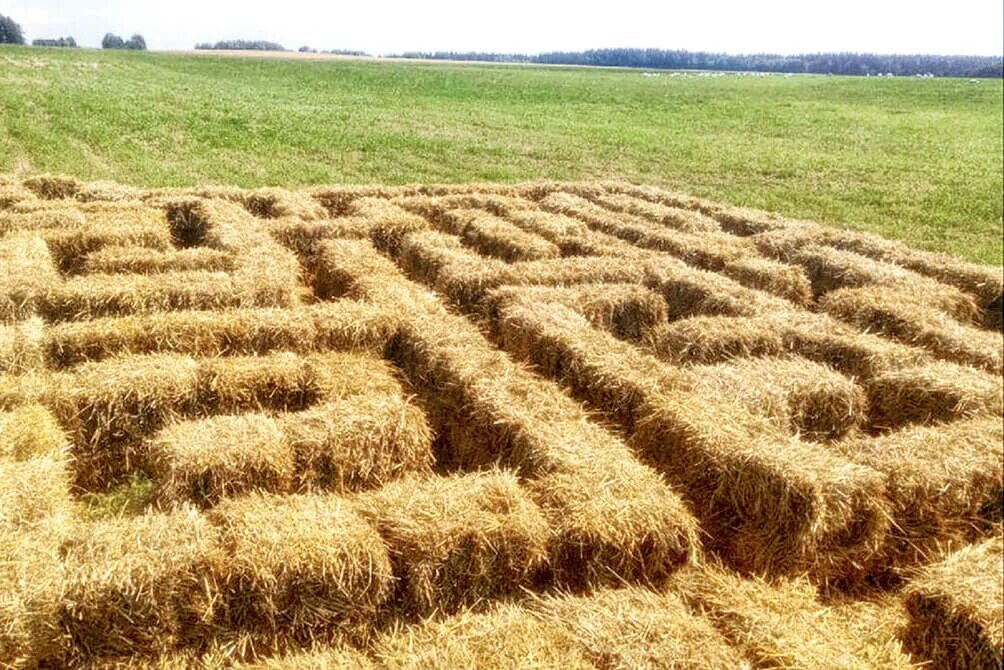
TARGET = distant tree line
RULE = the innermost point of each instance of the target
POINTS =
(113, 41)
(241, 45)
(10, 31)
(58, 42)
(337, 52)
(823, 63)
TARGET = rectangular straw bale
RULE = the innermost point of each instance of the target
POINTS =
(358, 442)
(70, 246)
(612, 517)
(458, 541)
(109, 407)
(274, 203)
(504, 636)
(441, 262)
(35, 492)
(197, 333)
(782, 624)
(303, 237)
(714, 339)
(143, 260)
(627, 310)
(337, 199)
(693, 292)
(298, 570)
(798, 395)
(781, 279)
(21, 346)
(498, 238)
(567, 233)
(205, 460)
(897, 315)
(52, 187)
(26, 272)
(279, 381)
(29, 431)
(390, 222)
(937, 392)
(27, 222)
(778, 504)
(12, 194)
(140, 585)
(955, 609)
(944, 483)
(684, 220)
(336, 657)
(635, 627)
(107, 191)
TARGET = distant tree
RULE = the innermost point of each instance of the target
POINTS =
(112, 41)
(306, 50)
(241, 45)
(59, 42)
(136, 42)
(10, 31)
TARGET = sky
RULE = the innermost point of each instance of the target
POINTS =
(973, 27)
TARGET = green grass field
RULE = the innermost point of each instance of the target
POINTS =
(915, 159)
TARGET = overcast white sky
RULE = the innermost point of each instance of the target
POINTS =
(530, 26)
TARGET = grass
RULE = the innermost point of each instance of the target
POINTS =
(914, 159)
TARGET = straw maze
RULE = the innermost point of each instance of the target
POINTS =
(548, 425)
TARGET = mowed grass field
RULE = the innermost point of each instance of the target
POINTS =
(914, 159)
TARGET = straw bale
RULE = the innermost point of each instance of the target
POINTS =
(390, 222)
(955, 609)
(324, 658)
(628, 311)
(459, 540)
(206, 460)
(786, 281)
(143, 260)
(109, 407)
(11, 194)
(11, 222)
(612, 517)
(782, 624)
(635, 627)
(279, 381)
(26, 272)
(776, 503)
(303, 237)
(35, 492)
(499, 238)
(714, 339)
(299, 569)
(797, 394)
(933, 393)
(106, 191)
(897, 315)
(353, 325)
(671, 217)
(21, 346)
(274, 203)
(31, 387)
(506, 636)
(693, 292)
(567, 233)
(140, 585)
(29, 431)
(944, 483)
(70, 246)
(52, 187)
(358, 442)
(197, 333)
(440, 261)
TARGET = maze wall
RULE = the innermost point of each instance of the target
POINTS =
(592, 424)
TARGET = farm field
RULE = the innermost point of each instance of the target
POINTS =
(541, 425)
(915, 160)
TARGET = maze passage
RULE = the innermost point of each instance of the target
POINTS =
(592, 424)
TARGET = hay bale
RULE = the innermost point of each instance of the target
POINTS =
(626, 310)
(783, 506)
(458, 541)
(274, 203)
(613, 518)
(26, 272)
(21, 346)
(206, 460)
(143, 260)
(350, 325)
(358, 442)
(506, 636)
(196, 333)
(29, 431)
(52, 187)
(106, 191)
(714, 339)
(35, 492)
(933, 393)
(692, 292)
(70, 246)
(678, 219)
(299, 569)
(898, 315)
(331, 658)
(944, 483)
(28, 222)
(634, 627)
(782, 624)
(798, 395)
(303, 237)
(140, 585)
(500, 239)
(441, 262)
(11, 194)
(786, 281)
(390, 222)
(955, 609)
(109, 407)
(561, 230)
